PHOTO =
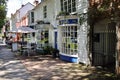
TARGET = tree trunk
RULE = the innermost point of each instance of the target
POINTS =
(118, 49)
(90, 53)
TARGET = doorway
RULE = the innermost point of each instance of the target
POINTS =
(55, 39)
(104, 44)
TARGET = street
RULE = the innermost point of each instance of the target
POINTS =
(41, 67)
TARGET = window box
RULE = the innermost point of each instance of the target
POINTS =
(62, 13)
(40, 22)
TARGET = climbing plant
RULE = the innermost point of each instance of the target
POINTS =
(102, 9)
(82, 18)
(62, 13)
(99, 10)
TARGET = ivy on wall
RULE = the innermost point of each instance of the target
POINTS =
(82, 18)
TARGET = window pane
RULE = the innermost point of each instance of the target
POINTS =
(45, 11)
(65, 6)
(69, 6)
(32, 17)
(69, 1)
(32, 14)
(73, 5)
(62, 5)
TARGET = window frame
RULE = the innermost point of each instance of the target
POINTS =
(32, 17)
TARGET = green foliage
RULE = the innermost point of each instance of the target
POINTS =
(3, 2)
(105, 9)
(63, 13)
(47, 50)
(2, 12)
(95, 15)
(82, 18)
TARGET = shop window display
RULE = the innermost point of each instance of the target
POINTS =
(69, 40)
(43, 37)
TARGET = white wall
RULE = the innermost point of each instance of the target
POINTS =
(83, 30)
(19, 14)
(53, 8)
(59, 38)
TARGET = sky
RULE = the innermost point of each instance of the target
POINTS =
(13, 5)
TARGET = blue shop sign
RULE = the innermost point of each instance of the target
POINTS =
(69, 21)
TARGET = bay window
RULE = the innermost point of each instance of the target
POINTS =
(69, 40)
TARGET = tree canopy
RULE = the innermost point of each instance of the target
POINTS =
(2, 12)
(101, 9)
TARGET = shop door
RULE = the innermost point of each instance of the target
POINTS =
(104, 45)
(55, 44)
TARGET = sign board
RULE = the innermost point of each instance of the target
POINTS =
(68, 21)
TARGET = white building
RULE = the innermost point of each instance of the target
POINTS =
(13, 22)
(62, 31)
(83, 30)
(43, 19)
(71, 34)
(17, 18)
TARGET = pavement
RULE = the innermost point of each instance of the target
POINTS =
(10, 67)
(44, 67)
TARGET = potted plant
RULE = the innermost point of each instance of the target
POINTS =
(40, 22)
(47, 49)
(46, 22)
(62, 13)
(55, 53)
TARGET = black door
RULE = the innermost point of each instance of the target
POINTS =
(104, 45)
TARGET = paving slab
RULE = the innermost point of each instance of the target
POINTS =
(10, 67)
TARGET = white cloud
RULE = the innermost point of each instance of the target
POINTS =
(13, 5)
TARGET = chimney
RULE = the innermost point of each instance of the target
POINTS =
(36, 2)
(12, 14)
(22, 5)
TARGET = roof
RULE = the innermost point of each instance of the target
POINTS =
(23, 30)
(39, 4)
(21, 8)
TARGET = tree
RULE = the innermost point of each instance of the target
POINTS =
(2, 12)
(102, 9)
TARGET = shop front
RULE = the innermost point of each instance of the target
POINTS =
(67, 37)
(44, 35)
